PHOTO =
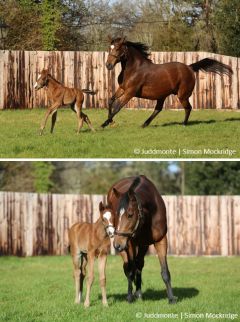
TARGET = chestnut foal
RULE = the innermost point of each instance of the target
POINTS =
(59, 95)
(88, 241)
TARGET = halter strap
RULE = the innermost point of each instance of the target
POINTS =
(140, 217)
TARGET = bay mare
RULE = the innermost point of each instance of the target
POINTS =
(140, 220)
(59, 95)
(86, 242)
(140, 77)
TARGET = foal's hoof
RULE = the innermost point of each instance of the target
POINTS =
(105, 304)
(86, 304)
(138, 295)
(130, 298)
(173, 300)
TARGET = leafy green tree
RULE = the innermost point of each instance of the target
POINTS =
(212, 178)
(42, 172)
(51, 11)
(227, 27)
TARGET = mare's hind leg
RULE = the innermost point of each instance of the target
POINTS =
(157, 109)
(187, 107)
(87, 120)
(54, 118)
(161, 248)
(139, 266)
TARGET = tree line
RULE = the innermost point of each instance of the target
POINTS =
(165, 25)
(95, 177)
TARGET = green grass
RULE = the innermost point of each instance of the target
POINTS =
(41, 289)
(212, 129)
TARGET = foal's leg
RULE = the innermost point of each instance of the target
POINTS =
(157, 109)
(54, 118)
(82, 272)
(188, 107)
(118, 104)
(139, 266)
(90, 278)
(76, 274)
(87, 120)
(102, 260)
(50, 110)
(161, 248)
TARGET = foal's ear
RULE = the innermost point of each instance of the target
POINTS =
(101, 206)
(110, 38)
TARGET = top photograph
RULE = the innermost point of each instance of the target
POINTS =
(139, 79)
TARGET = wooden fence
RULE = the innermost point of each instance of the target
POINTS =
(19, 71)
(36, 224)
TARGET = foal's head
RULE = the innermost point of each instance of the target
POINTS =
(129, 216)
(116, 51)
(42, 79)
(107, 216)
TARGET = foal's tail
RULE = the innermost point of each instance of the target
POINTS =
(212, 65)
(88, 91)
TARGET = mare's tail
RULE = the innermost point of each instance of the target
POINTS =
(212, 65)
(88, 91)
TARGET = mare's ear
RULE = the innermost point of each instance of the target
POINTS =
(101, 206)
(133, 186)
(110, 38)
(122, 40)
(116, 193)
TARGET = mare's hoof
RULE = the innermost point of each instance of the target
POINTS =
(184, 123)
(173, 300)
(130, 298)
(113, 124)
(138, 295)
(144, 125)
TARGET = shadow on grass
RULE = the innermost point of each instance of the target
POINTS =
(190, 123)
(232, 119)
(156, 295)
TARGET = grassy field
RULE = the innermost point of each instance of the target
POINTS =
(41, 289)
(208, 129)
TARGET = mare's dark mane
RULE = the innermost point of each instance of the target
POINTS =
(142, 48)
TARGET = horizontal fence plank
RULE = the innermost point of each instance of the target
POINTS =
(37, 224)
(19, 70)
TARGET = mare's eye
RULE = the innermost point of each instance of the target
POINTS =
(130, 214)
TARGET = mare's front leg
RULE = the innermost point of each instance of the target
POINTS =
(161, 248)
(129, 270)
(50, 110)
(102, 260)
(119, 92)
(90, 278)
(139, 266)
(118, 104)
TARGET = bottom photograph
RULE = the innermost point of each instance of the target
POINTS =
(119, 240)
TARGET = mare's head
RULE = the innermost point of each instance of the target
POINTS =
(107, 216)
(129, 215)
(42, 79)
(117, 50)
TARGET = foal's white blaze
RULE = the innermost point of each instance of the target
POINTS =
(110, 230)
(107, 215)
(112, 47)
